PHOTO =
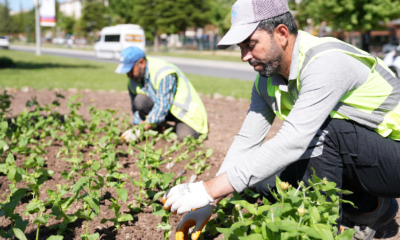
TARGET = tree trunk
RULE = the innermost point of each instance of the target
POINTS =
(155, 40)
(184, 39)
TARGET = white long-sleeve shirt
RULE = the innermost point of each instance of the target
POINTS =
(323, 83)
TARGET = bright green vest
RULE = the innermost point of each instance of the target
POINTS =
(375, 104)
(187, 105)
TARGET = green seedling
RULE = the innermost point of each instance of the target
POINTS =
(36, 179)
(5, 103)
(18, 226)
(37, 206)
(199, 165)
(74, 169)
(110, 163)
(176, 146)
(167, 135)
(115, 206)
(3, 134)
(158, 210)
(301, 213)
(14, 174)
(90, 198)
(59, 207)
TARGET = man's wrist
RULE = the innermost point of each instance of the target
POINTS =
(219, 187)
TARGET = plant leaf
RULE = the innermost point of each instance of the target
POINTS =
(55, 237)
(346, 235)
(42, 220)
(19, 234)
(245, 204)
(126, 217)
(77, 186)
(256, 236)
(123, 194)
(96, 166)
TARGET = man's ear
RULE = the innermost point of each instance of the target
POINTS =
(281, 34)
(142, 63)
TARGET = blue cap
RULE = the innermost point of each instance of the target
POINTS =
(128, 58)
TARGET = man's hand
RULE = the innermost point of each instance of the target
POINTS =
(186, 197)
(131, 135)
(147, 126)
(197, 218)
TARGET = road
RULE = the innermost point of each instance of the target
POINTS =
(237, 70)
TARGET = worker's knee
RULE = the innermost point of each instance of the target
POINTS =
(183, 130)
(143, 103)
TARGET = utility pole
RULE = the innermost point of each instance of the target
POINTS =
(37, 28)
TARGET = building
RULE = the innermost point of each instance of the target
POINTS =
(71, 8)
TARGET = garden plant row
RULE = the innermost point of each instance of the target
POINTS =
(90, 146)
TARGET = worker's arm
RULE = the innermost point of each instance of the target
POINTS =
(163, 100)
(255, 127)
(136, 118)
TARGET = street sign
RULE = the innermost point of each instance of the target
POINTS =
(47, 13)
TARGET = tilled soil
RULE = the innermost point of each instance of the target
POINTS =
(225, 119)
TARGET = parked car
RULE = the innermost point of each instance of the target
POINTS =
(392, 60)
(4, 42)
(116, 38)
(390, 46)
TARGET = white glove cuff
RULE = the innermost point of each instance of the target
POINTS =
(210, 200)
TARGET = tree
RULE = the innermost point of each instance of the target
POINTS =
(6, 23)
(221, 14)
(178, 15)
(66, 23)
(350, 15)
(93, 16)
(147, 14)
(122, 10)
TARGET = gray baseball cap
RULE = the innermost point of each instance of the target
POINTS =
(245, 17)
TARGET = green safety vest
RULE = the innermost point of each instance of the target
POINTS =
(375, 104)
(187, 105)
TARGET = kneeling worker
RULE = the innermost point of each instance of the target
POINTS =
(160, 92)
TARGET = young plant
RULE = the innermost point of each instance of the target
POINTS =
(59, 207)
(14, 174)
(115, 206)
(17, 226)
(90, 198)
(297, 214)
(158, 210)
(5, 102)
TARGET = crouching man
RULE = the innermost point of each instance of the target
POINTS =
(160, 92)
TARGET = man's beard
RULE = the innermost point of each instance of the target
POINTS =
(140, 77)
(272, 66)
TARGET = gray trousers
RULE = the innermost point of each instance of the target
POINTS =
(144, 104)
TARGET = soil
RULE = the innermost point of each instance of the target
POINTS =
(225, 119)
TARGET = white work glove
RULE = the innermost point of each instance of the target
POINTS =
(131, 135)
(186, 197)
(198, 218)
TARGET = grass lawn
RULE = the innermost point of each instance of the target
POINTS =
(48, 72)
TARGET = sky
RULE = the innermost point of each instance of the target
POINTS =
(26, 4)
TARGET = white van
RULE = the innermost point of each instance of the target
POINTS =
(114, 39)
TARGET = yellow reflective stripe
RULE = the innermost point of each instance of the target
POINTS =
(393, 98)
(312, 52)
(184, 106)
